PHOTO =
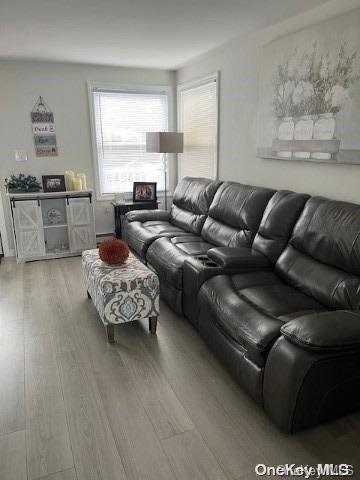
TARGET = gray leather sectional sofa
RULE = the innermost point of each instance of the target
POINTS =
(271, 281)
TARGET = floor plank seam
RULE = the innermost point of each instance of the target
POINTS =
(149, 416)
(191, 417)
(66, 413)
(54, 473)
(86, 373)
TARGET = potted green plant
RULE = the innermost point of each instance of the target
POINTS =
(22, 183)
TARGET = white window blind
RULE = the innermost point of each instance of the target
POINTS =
(198, 112)
(121, 122)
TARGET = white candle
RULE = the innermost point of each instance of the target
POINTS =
(77, 183)
(69, 177)
(82, 177)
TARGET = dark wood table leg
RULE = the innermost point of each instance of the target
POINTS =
(152, 324)
(110, 332)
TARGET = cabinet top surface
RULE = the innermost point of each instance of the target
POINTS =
(49, 194)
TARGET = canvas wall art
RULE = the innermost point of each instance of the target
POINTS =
(309, 106)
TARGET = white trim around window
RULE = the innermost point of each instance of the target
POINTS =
(109, 87)
(192, 86)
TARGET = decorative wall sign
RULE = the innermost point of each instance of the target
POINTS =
(43, 130)
(310, 94)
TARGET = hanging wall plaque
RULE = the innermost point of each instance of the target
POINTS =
(43, 127)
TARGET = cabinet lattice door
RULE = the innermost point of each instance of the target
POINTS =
(29, 229)
(81, 227)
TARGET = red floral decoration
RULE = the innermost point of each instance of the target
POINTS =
(113, 251)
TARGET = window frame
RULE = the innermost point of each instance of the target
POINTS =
(136, 88)
(198, 82)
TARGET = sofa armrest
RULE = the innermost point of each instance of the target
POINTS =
(325, 331)
(217, 261)
(242, 258)
(147, 215)
(305, 387)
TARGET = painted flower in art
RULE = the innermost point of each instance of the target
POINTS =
(286, 90)
(324, 69)
(303, 69)
(293, 65)
(302, 92)
(337, 97)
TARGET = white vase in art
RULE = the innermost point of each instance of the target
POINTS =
(286, 132)
(304, 131)
(324, 129)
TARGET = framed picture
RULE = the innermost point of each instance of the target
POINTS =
(53, 183)
(144, 192)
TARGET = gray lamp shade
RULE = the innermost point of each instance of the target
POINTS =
(164, 142)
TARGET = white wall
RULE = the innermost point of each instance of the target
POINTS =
(64, 88)
(239, 64)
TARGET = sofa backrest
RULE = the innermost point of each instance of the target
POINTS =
(191, 202)
(322, 258)
(277, 223)
(235, 214)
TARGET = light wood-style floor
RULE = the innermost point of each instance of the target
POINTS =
(146, 408)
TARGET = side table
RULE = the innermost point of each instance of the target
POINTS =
(121, 208)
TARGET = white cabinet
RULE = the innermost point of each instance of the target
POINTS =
(52, 225)
(81, 225)
(29, 232)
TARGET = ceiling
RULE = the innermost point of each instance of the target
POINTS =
(139, 33)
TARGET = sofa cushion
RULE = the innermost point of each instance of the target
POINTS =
(250, 308)
(140, 235)
(329, 231)
(195, 194)
(323, 257)
(189, 221)
(235, 214)
(191, 202)
(159, 227)
(277, 223)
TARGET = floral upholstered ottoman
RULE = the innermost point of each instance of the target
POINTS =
(121, 293)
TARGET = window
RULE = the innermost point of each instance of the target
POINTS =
(198, 113)
(121, 119)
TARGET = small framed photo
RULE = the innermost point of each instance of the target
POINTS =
(53, 183)
(144, 192)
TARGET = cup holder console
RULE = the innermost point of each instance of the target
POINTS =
(205, 260)
(210, 263)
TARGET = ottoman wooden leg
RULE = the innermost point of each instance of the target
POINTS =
(88, 294)
(110, 332)
(152, 324)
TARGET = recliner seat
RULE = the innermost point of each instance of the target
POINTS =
(277, 223)
(249, 319)
(233, 220)
(191, 201)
